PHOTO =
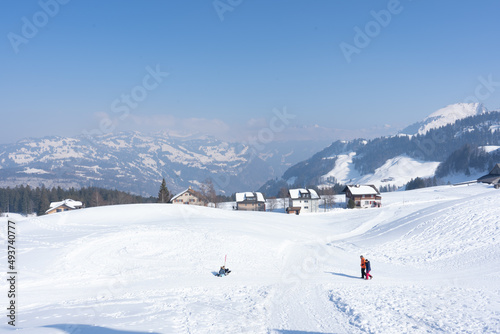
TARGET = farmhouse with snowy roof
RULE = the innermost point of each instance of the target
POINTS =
(250, 201)
(304, 200)
(189, 196)
(493, 177)
(363, 196)
(65, 205)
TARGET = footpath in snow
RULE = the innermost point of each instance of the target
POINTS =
(150, 268)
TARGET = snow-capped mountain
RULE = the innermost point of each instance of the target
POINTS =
(457, 143)
(445, 116)
(137, 163)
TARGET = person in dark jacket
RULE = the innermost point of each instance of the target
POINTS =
(223, 271)
(368, 269)
(363, 267)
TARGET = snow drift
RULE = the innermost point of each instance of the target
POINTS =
(149, 268)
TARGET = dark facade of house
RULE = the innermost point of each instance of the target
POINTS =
(493, 177)
(293, 210)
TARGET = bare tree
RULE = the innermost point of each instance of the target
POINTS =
(208, 191)
(96, 199)
(283, 193)
(271, 204)
(329, 201)
(328, 196)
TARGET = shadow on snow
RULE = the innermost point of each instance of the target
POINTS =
(87, 329)
(286, 331)
(343, 275)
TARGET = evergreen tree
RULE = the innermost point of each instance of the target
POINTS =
(44, 201)
(24, 199)
(164, 194)
(351, 204)
(416, 183)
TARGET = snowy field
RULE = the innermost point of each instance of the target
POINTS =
(149, 268)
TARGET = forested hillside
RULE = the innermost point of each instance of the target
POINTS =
(27, 200)
(458, 147)
(435, 145)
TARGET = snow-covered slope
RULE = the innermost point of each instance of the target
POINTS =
(393, 161)
(395, 172)
(149, 268)
(444, 116)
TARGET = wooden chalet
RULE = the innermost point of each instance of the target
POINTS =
(65, 205)
(189, 197)
(364, 196)
(250, 201)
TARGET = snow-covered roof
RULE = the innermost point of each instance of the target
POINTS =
(241, 197)
(72, 204)
(302, 192)
(363, 190)
(179, 194)
(68, 202)
(188, 190)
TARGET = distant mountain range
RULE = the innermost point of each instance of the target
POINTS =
(453, 143)
(136, 163)
(456, 143)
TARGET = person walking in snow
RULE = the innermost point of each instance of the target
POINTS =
(363, 267)
(368, 269)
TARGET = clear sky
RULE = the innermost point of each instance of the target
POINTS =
(301, 69)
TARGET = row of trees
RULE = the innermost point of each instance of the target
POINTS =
(26, 200)
(420, 182)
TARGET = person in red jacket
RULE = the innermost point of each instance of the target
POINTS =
(363, 267)
(368, 269)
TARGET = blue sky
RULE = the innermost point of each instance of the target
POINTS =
(338, 69)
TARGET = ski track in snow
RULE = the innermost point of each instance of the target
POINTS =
(149, 268)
